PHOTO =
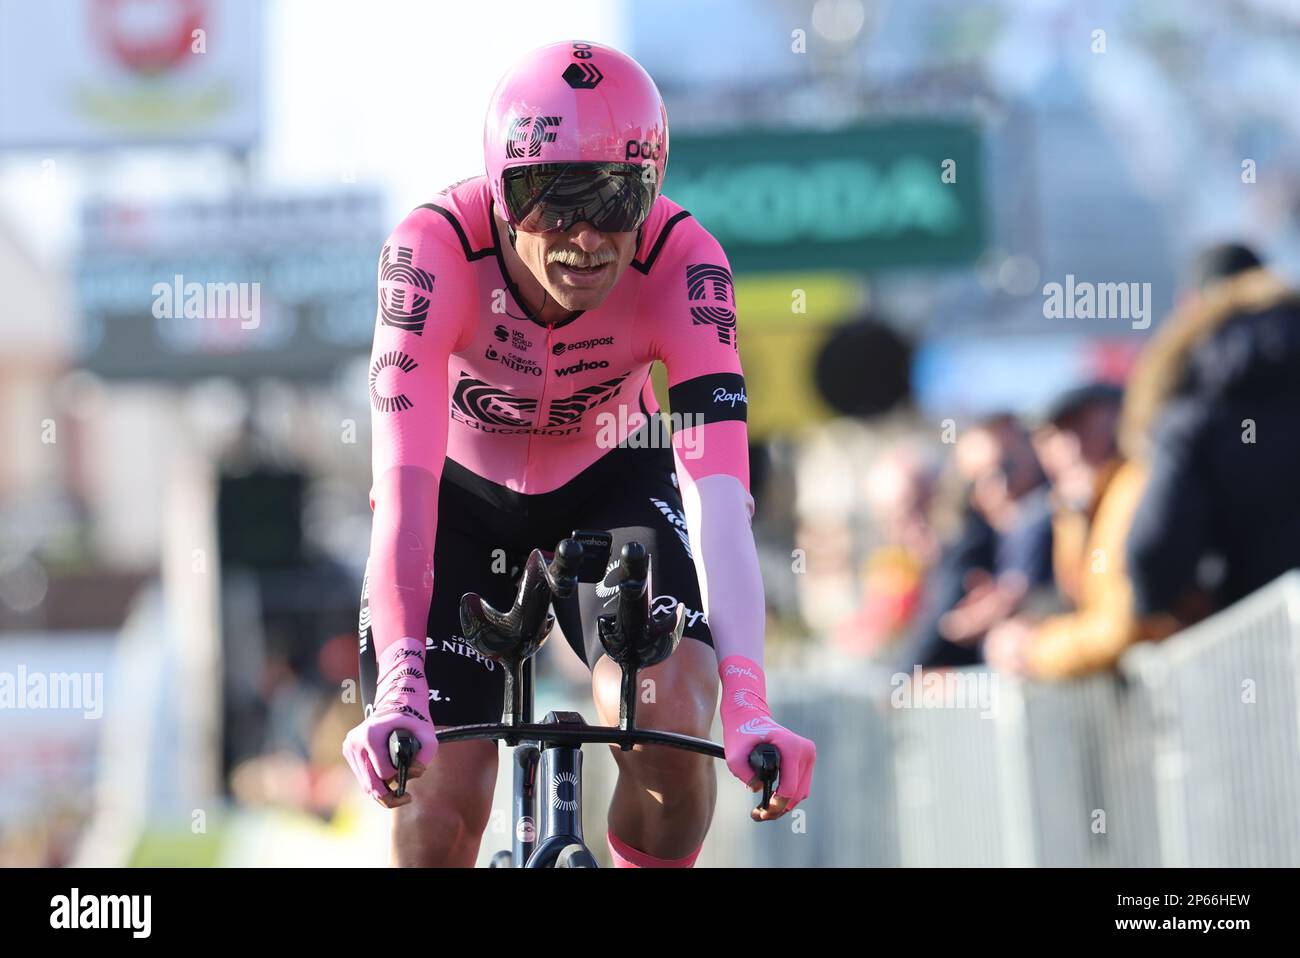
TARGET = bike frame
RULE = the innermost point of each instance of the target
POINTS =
(550, 753)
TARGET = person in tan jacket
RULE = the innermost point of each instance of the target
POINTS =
(1095, 493)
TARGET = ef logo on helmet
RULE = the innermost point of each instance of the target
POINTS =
(531, 130)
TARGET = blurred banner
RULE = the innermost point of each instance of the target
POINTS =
(969, 373)
(52, 697)
(121, 72)
(243, 287)
(905, 193)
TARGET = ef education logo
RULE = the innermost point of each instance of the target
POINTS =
(75, 911)
(527, 134)
(582, 75)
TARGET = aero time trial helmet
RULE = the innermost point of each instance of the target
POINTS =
(575, 132)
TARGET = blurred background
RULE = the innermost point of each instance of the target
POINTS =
(1014, 282)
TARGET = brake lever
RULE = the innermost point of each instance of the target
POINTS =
(402, 749)
(766, 761)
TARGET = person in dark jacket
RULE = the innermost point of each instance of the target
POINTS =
(1002, 555)
(1214, 412)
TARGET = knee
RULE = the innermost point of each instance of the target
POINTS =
(655, 762)
(450, 808)
(680, 714)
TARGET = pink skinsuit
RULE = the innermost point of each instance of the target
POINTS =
(460, 371)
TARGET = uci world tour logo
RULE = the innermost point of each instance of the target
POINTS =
(527, 134)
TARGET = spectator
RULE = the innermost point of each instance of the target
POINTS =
(1003, 552)
(900, 490)
(1094, 493)
(1212, 411)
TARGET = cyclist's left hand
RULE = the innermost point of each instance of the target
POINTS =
(746, 723)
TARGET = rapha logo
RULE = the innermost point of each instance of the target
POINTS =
(722, 395)
(527, 134)
(666, 603)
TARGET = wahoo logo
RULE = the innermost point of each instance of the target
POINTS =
(400, 401)
(404, 291)
(712, 284)
(532, 130)
(475, 399)
(566, 411)
(582, 76)
(676, 520)
(582, 366)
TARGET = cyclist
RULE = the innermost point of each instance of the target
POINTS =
(519, 315)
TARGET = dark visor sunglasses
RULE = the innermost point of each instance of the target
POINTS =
(552, 197)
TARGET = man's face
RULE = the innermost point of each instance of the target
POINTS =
(999, 467)
(1058, 450)
(982, 463)
(579, 267)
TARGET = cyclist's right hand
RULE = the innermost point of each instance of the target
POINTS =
(401, 702)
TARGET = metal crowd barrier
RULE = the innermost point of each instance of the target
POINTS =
(1187, 755)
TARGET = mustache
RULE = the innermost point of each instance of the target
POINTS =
(573, 257)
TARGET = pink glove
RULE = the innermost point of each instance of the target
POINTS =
(747, 721)
(401, 701)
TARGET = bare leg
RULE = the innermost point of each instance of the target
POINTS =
(663, 802)
(443, 826)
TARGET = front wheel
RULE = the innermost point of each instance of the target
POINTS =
(575, 856)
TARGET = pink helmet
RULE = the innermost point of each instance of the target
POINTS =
(574, 102)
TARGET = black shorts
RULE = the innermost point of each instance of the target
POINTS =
(486, 532)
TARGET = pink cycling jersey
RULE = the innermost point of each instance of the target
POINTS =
(460, 371)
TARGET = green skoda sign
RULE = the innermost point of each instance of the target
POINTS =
(893, 194)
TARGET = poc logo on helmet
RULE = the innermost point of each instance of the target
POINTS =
(642, 149)
(531, 130)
